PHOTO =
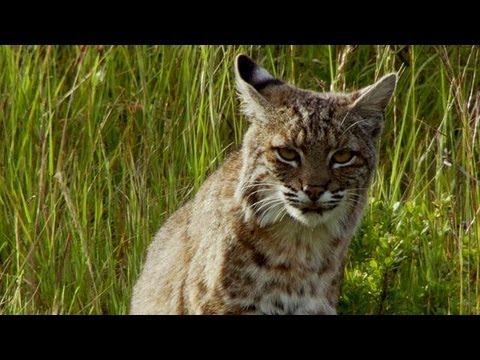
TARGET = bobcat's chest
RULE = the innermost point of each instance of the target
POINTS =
(291, 270)
(309, 296)
(268, 287)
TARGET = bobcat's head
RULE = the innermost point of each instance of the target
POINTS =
(308, 156)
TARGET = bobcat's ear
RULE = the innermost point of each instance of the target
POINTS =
(372, 101)
(375, 98)
(251, 80)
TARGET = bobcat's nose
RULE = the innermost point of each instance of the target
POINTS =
(313, 191)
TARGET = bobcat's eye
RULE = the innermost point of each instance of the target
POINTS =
(342, 156)
(288, 154)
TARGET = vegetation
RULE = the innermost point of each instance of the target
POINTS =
(100, 144)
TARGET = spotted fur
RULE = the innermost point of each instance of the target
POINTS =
(268, 233)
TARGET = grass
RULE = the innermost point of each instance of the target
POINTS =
(100, 144)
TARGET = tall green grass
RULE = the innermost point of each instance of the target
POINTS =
(99, 145)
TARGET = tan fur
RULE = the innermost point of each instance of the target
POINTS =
(264, 235)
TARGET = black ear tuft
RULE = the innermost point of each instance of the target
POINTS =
(245, 67)
(255, 88)
(253, 74)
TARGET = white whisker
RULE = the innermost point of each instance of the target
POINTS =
(256, 192)
(354, 124)
(282, 211)
(273, 202)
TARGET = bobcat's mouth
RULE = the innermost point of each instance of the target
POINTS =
(313, 213)
(317, 209)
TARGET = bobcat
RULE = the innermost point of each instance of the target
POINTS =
(268, 232)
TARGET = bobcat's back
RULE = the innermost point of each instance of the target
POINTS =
(182, 261)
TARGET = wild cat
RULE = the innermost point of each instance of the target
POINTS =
(268, 232)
